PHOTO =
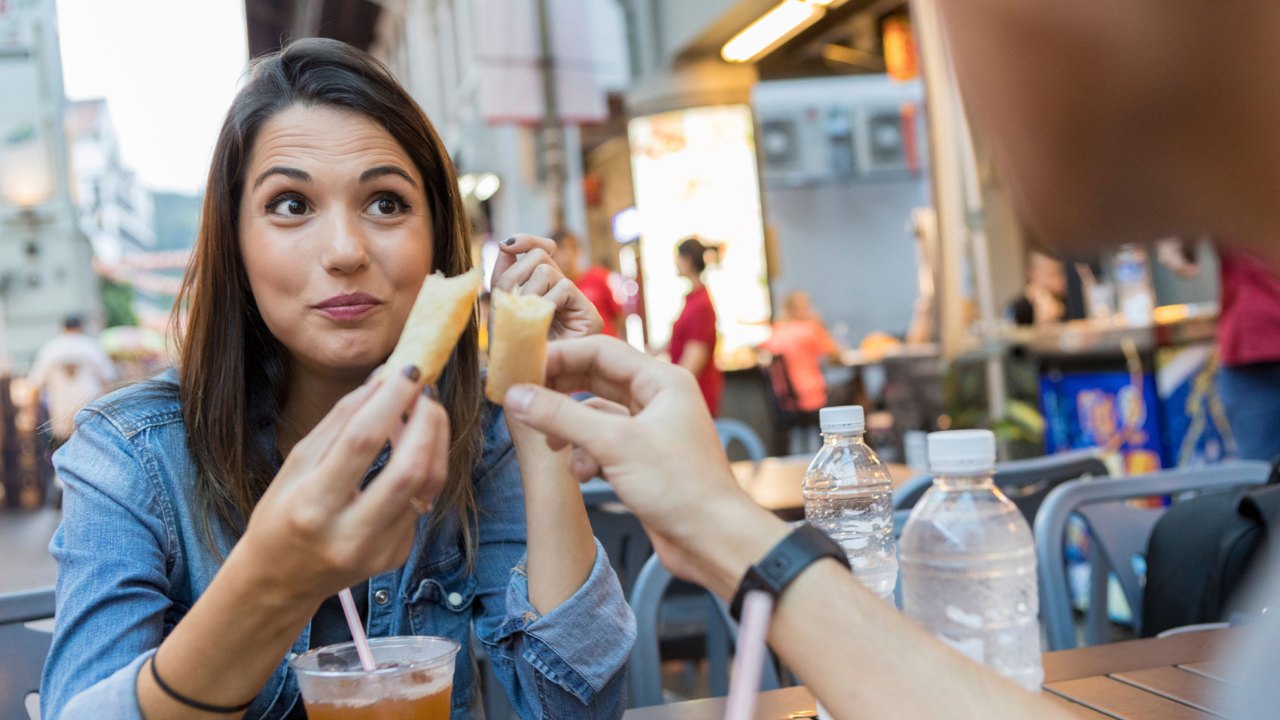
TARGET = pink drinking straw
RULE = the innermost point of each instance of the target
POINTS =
(749, 659)
(357, 630)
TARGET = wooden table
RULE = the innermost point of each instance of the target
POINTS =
(775, 483)
(1174, 678)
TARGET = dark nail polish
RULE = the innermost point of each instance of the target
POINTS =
(509, 241)
(412, 372)
(430, 392)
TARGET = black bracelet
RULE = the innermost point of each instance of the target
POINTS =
(205, 707)
(784, 563)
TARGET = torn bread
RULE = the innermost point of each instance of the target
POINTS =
(518, 342)
(439, 315)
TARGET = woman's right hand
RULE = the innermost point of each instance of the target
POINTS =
(314, 528)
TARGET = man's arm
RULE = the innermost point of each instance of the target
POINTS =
(667, 466)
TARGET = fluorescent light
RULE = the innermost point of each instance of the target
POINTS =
(486, 186)
(782, 22)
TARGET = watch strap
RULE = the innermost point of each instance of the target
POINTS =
(784, 563)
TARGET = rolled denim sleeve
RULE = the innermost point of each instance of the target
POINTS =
(569, 662)
(112, 582)
(581, 645)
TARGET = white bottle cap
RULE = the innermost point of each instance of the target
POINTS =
(842, 419)
(962, 452)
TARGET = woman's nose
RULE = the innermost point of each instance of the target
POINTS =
(346, 250)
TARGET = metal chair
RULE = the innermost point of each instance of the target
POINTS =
(1026, 482)
(732, 431)
(644, 671)
(1119, 533)
(623, 539)
(22, 649)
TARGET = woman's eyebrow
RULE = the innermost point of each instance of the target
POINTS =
(377, 172)
(296, 174)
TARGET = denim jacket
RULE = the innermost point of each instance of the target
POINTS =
(132, 561)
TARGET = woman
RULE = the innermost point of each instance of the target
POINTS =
(693, 337)
(803, 342)
(211, 515)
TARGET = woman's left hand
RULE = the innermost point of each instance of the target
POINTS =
(525, 267)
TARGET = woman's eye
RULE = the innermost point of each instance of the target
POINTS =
(386, 205)
(288, 206)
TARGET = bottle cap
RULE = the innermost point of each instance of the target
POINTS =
(842, 419)
(961, 452)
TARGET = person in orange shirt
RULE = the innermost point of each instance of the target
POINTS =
(803, 342)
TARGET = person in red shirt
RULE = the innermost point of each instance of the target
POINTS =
(593, 282)
(693, 337)
(803, 342)
(1248, 345)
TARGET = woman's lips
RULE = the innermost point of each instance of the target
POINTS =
(348, 312)
(350, 306)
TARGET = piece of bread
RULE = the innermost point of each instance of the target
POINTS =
(439, 315)
(517, 342)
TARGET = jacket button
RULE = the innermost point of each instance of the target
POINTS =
(455, 600)
(382, 597)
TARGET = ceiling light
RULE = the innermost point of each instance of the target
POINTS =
(781, 23)
(467, 184)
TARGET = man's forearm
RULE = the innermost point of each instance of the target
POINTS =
(858, 654)
(864, 659)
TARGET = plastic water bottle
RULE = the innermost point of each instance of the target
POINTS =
(848, 494)
(1134, 292)
(968, 561)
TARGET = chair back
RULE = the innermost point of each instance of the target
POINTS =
(644, 671)
(784, 405)
(1119, 533)
(735, 431)
(22, 649)
(779, 382)
(1026, 482)
(623, 539)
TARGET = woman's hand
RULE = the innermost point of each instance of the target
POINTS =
(655, 443)
(314, 527)
(525, 267)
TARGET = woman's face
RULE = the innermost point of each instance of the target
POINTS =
(336, 237)
(684, 266)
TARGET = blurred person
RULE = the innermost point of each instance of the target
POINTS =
(69, 371)
(693, 336)
(593, 282)
(1248, 344)
(1043, 298)
(1106, 130)
(803, 342)
(213, 513)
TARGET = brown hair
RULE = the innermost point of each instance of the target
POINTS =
(693, 249)
(234, 374)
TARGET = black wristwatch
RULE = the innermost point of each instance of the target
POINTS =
(784, 563)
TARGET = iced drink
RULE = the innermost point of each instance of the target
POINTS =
(413, 680)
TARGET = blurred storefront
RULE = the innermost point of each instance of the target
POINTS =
(817, 146)
(45, 261)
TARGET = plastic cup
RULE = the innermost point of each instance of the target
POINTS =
(413, 680)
